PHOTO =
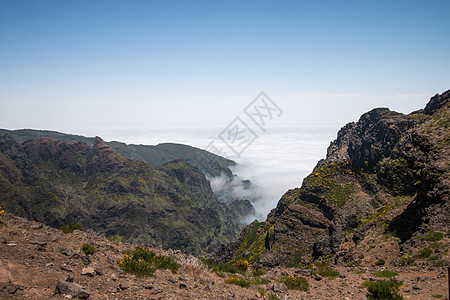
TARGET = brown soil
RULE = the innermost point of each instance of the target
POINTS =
(32, 261)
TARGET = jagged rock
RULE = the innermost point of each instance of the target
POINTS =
(72, 289)
(66, 252)
(279, 287)
(88, 271)
(11, 288)
(124, 286)
(387, 168)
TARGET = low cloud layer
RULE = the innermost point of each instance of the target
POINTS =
(274, 163)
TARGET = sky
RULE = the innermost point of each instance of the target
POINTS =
(182, 71)
(69, 65)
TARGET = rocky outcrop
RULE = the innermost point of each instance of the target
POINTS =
(385, 175)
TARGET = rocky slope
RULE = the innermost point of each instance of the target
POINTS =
(41, 262)
(57, 182)
(381, 193)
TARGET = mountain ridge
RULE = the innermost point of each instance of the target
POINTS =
(57, 182)
(384, 176)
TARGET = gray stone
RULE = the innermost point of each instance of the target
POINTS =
(72, 289)
(124, 285)
(88, 271)
(279, 287)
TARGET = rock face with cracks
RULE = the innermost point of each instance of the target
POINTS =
(382, 190)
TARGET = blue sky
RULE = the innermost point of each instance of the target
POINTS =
(68, 65)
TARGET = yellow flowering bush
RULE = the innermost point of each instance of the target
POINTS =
(142, 261)
(2, 211)
(242, 282)
(242, 265)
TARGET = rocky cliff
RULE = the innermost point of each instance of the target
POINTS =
(57, 182)
(383, 188)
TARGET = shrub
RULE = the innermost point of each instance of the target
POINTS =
(242, 265)
(424, 253)
(383, 289)
(380, 262)
(69, 228)
(238, 281)
(88, 249)
(436, 245)
(296, 259)
(259, 280)
(295, 283)
(324, 269)
(116, 238)
(258, 271)
(354, 263)
(386, 273)
(407, 260)
(220, 267)
(143, 262)
(432, 236)
(272, 296)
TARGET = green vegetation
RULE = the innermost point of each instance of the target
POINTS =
(295, 283)
(407, 260)
(254, 244)
(258, 271)
(396, 175)
(323, 182)
(143, 262)
(272, 296)
(220, 267)
(257, 280)
(88, 249)
(324, 269)
(437, 296)
(377, 214)
(424, 253)
(296, 259)
(383, 289)
(386, 273)
(116, 238)
(380, 262)
(242, 282)
(71, 227)
(436, 245)
(354, 263)
(432, 236)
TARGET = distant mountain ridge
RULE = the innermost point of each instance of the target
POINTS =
(156, 155)
(57, 182)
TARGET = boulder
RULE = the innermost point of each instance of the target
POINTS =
(72, 289)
